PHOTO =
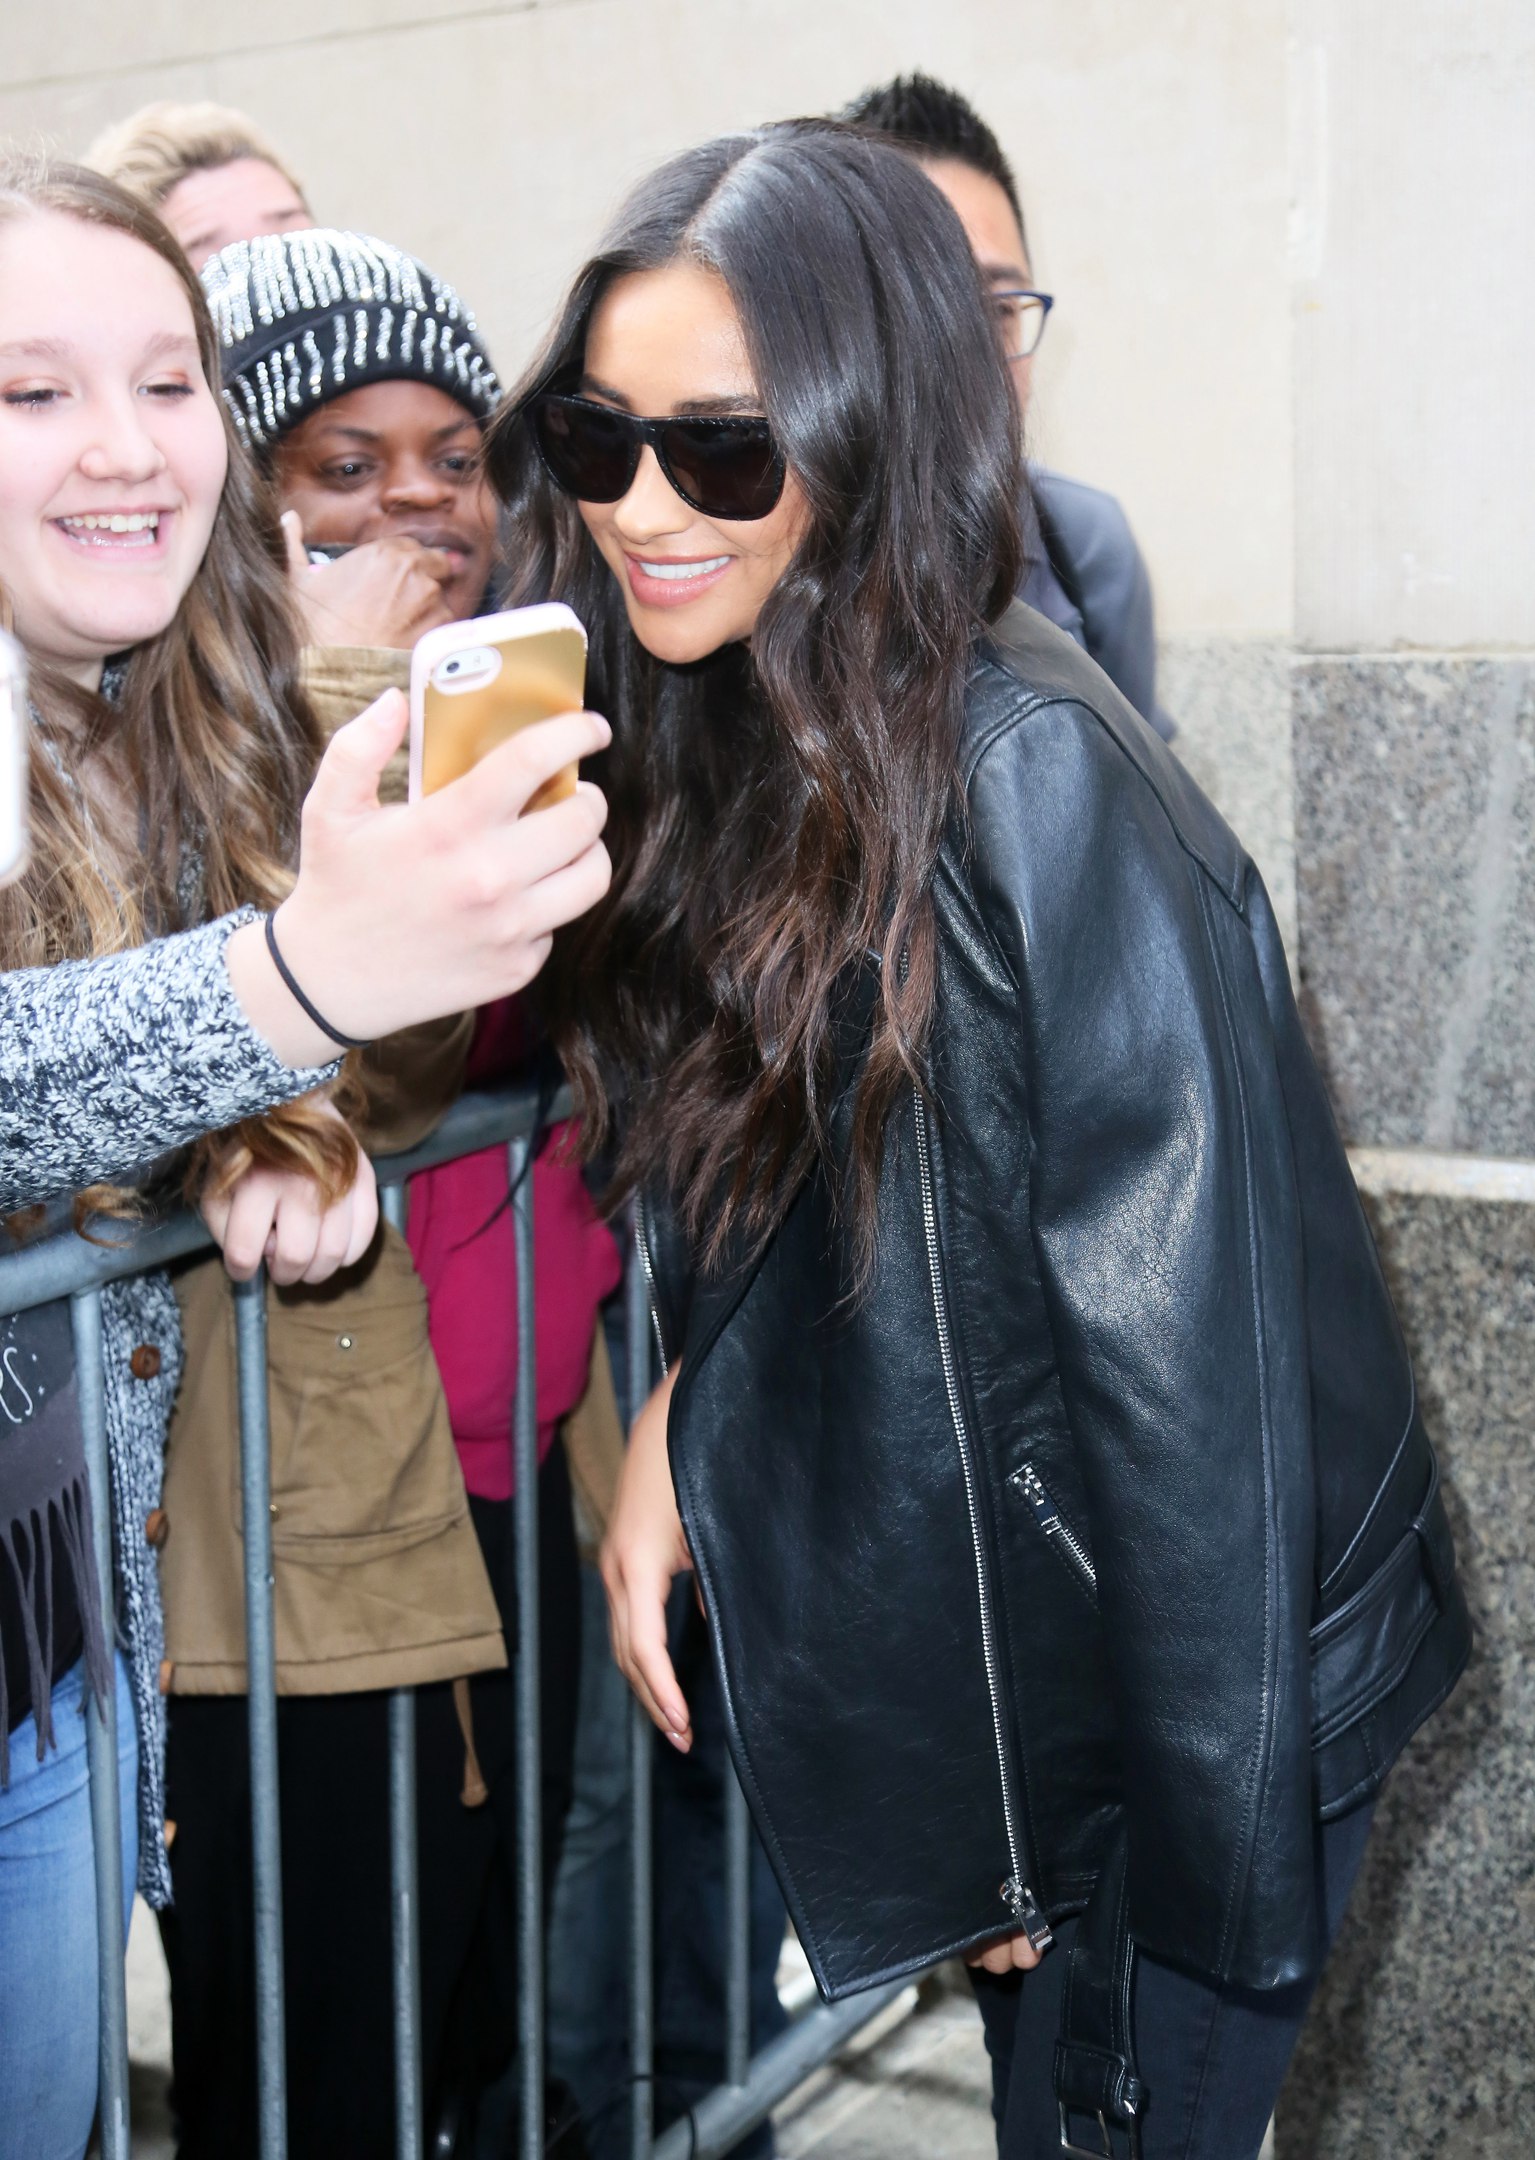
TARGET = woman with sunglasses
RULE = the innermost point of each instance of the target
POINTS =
(1036, 1423)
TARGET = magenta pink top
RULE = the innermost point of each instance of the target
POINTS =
(461, 1239)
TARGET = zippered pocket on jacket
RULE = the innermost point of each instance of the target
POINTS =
(1030, 1487)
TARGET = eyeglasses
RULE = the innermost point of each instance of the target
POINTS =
(723, 468)
(1021, 317)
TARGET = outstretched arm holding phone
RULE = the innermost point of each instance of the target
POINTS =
(398, 915)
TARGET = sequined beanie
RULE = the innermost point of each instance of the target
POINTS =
(303, 317)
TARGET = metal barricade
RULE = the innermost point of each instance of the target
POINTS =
(79, 1268)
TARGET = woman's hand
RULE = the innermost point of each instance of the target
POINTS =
(277, 1216)
(1009, 1953)
(382, 592)
(405, 914)
(642, 1553)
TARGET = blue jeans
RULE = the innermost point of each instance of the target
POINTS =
(48, 2011)
(1213, 2058)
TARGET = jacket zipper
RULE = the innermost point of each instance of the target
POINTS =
(1055, 1526)
(647, 1269)
(1016, 1894)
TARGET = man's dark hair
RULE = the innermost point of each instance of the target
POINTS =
(929, 120)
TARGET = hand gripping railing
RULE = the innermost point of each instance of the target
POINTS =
(78, 1268)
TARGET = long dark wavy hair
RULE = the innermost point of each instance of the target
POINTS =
(776, 812)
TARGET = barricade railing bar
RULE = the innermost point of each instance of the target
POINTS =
(67, 1265)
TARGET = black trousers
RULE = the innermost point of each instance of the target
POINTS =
(1213, 2058)
(334, 1806)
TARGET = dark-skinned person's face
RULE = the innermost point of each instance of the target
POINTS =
(395, 460)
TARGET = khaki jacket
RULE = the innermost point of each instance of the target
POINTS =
(341, 680)
(379, 1580)
(377, 1570)
(411, 1079)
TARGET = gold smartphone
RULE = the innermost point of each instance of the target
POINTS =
(472, 684)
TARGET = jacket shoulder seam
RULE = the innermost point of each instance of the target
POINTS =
(1232, 890)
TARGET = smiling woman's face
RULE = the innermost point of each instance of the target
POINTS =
(662, 342)
(395, 460)
(112, 446)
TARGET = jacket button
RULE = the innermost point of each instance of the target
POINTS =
(145, 1362)
(343, 1342)
(157, 1527)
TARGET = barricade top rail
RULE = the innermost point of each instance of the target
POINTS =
(62, 1264)
(65, 1263)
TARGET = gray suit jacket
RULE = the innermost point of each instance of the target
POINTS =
(1087, 575)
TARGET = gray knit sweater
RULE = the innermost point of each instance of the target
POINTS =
(106, 1065)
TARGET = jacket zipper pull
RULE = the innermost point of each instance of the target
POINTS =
(648, 1272)
(1020, 1902)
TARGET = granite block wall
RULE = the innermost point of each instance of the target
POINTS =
(1422, 2038)
(1415, 882)
(1232, 701)
(1415, 826)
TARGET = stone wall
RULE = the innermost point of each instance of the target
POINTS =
(1413, 702)
(1415, 819)
(1422, 2038)
(1414, 798)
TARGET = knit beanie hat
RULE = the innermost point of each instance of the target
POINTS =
(303, 317)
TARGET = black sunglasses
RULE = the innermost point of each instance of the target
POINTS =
(723, 468)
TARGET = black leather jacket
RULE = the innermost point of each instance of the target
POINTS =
(1110, 1504)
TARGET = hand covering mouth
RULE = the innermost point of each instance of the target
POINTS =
(437, 536)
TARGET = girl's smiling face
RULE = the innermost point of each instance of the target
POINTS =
(662, 342)
(113, 451)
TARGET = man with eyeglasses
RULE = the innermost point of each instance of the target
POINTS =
(1084, 569)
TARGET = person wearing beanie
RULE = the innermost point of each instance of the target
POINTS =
(359, 382)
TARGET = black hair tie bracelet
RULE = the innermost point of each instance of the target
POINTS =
(347, 1042)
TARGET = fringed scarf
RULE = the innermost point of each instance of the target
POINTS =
(45, 1504)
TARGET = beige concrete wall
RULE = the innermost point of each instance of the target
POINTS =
(1413, 133)
(494, 138)
(1290, 238)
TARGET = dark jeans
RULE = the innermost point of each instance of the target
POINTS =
(589, 1939)
(1213, 2059)
(334, 1808)
(690, 1897)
